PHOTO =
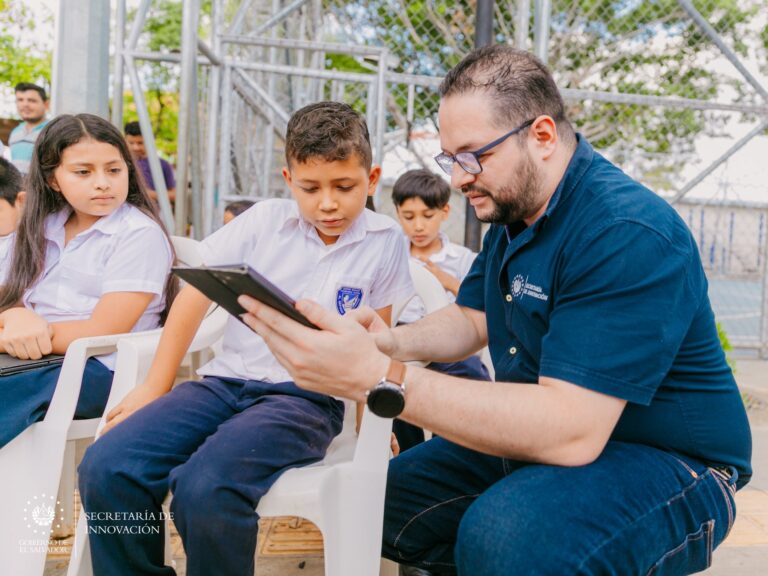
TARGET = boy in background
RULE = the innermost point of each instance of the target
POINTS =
(421, 199)
(11, 203)
(234, 209)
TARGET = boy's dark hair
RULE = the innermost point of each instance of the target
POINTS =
(433, 190)
(238, 207)
(24, 86)
(10, 181)
(332, 131)
(133, 129)
(520, 85)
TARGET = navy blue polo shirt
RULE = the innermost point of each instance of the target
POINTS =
(607, 291)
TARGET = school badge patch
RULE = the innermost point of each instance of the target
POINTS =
(348, 298)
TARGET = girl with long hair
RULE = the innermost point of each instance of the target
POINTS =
(91, 258)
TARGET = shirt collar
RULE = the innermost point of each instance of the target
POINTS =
(107, 225)
(366, 222)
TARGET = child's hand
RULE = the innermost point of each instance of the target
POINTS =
(449, 283)
(394, 445)
(25, 335)
(135, 400)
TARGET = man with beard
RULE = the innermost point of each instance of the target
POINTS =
(32, 105)
(614, 437)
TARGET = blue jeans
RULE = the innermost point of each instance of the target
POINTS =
(25, 397)
(635, 510)
(218, 445)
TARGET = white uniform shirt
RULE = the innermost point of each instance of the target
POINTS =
(125, 251)
(454, 259)
(6, 255)
(368, 265)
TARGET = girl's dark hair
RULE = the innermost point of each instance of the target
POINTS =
(42, 200)
(430, 187)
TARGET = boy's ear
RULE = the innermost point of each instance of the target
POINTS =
(21, 198)
(287, 175)
(373, 179)
(446, 210)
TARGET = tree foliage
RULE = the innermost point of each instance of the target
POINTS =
(648, 48)
(20, 62)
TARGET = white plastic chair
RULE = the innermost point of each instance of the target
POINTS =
(32, 463)
(187, 254)
(343, 494)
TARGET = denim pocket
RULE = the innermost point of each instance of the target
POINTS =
(694, 554)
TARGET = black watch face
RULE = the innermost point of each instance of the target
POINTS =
(386, 400)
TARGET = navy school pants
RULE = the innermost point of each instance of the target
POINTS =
(217, 445)
(25, 397)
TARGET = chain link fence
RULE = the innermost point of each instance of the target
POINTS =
(665, 89)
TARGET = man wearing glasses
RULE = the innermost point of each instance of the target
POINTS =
(615, 437)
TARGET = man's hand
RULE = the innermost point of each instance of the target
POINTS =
(25, 335)
(340, 359)
(372, 322)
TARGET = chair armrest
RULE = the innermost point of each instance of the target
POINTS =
(64, 401)
(373, 442)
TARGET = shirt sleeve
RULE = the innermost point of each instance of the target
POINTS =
(621, 311)
(141, 262)
(393, 282)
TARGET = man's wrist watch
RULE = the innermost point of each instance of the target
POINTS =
(387, 398)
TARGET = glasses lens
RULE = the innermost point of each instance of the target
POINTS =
(468, 162)
(445, 162)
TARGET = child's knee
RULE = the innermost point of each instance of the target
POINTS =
(96, 470)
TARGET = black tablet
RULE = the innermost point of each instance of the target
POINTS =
(9, 365)
(223, 285)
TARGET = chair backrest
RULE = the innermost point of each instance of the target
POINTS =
(427, 287)
(187, 251)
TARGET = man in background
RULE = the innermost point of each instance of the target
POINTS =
(32, 105)
(136, 144)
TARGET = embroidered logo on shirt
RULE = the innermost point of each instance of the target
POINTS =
(348, 298)
(521, 287)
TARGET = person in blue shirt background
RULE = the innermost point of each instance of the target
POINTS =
(615, 437)
(135, 142)
(32, 106)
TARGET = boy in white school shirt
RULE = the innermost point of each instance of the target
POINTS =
(421, 199)
(11, 202)
(220, 443)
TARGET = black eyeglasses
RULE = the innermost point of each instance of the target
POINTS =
(470, 160)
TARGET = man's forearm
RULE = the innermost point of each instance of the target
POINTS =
(447, 335)
(560, 424)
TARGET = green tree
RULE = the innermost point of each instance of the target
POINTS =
(19, 62)
(637, 47)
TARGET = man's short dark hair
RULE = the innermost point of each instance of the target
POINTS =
(133, 129)
(11, 181)
(25, 86)
(432, 188)
(332, 131)
(520, 85)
